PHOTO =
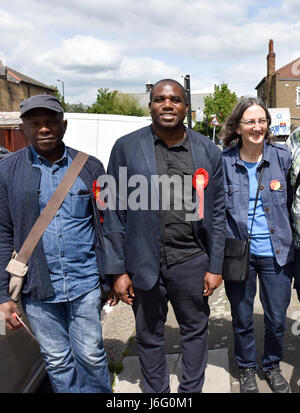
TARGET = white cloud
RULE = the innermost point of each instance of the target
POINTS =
(83, 54)
(124, 43)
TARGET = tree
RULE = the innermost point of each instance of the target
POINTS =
(70, 107)
(113, 102)
(220, 104)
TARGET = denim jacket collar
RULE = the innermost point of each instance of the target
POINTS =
(266, 157)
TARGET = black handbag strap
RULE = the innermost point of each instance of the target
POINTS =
(256, 198)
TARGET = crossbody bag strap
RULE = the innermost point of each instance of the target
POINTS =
(50, 210)
(256, 198)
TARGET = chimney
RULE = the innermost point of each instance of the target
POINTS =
(271, 59)
(149, 86)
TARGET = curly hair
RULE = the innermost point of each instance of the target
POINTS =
(228, 133)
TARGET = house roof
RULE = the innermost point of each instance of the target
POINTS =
(291, 70)
(14, 76)
(10, 120)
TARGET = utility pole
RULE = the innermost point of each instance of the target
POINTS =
(187, 86)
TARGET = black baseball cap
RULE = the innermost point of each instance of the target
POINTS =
(40, 101)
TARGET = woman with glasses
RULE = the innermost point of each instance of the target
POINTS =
(249, 150)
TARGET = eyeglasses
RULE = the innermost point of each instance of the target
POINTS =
(261, 122)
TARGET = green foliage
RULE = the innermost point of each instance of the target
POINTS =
(107, 102)
(202, 127)
(75, 108)
(220, 104)
(113, 102)
(70, 107)
(57, 94)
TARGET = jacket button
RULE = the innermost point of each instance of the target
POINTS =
(262, 187)
(281, 187)
(272, 230)
(277, 251)
(267, 209)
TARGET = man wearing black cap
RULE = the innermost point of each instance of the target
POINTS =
(60, 294)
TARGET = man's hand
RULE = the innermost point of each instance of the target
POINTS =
(123, 288)
(211, 282)
(112, 298)
(8, 308)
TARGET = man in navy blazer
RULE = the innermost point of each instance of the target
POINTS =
(157, 254)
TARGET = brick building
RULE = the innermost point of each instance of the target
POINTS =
(281, 87)
(15, 87)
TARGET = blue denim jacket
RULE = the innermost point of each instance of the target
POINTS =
(276, 202)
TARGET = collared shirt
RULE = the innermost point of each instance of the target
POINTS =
(178, 242)
(275, 198)
(293, 144)
(69, 239)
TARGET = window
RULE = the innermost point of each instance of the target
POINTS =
(298, 96)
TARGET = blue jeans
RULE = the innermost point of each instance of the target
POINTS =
(70, 338)
(275, 295)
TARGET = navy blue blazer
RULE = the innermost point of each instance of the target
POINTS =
(132, 237)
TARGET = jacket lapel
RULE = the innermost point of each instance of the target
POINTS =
(146, 142)
(147, 145)
(199, 156)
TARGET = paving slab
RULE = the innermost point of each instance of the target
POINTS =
(217, 378)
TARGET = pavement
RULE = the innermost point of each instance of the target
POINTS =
(221, 373)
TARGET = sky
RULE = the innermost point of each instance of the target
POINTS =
(123, 44)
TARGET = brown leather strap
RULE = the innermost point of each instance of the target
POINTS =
(50, 210)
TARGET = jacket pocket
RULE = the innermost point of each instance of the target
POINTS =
(232, 196)
(278, 191)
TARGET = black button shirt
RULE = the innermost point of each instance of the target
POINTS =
(178, 243)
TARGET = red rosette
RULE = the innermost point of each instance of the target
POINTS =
(96, 190)
(96, 193)
(201, 171)
(199, 186)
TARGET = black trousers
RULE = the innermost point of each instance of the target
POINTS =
(182, 284)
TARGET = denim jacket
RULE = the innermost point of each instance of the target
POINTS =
(276, 202)
(19, 206)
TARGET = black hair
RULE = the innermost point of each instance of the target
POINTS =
(228, 133)
(169, 81)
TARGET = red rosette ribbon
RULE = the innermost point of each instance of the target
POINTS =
(99, 202)
(200, 182)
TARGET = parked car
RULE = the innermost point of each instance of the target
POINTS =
(4, 152)
(21, 368)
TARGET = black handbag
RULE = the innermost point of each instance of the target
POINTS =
(237, 252)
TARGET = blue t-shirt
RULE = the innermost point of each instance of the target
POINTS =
(261, 244)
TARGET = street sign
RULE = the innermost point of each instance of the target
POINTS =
(199, 115)
(214, 121)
